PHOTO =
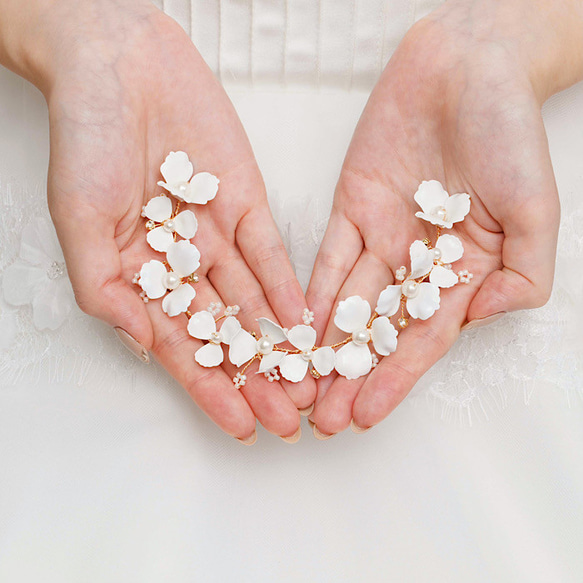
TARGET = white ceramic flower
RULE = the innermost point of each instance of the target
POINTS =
(439, 208)
(294, 367)
(177, 171)
(159, 211)
(155, 280)
(244, 346)
(203, 326)
(354, 359)
(39, 277)
(423, 260)
(422, 299)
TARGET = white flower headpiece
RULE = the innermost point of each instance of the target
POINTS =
(417, 296)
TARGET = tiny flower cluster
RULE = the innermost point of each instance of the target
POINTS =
(292, 353)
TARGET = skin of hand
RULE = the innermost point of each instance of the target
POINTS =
(125, 86)
(459, 102)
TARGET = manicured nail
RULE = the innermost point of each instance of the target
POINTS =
(357, 429)
(248, 440)
(307, 411)
(479, 322)
(319, 435)
(293, 438)
(311, 423)
(132, 345)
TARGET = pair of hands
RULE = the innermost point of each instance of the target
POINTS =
(125, 85)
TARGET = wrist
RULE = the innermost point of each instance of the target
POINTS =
(543, 38)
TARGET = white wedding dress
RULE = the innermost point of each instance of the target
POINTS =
(108, 471)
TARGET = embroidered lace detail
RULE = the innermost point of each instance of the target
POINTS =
(82, 350)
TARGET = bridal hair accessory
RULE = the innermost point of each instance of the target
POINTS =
(415, 295)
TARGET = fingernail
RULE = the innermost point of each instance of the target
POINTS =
(293, 438)
(357, 429)
(319, 435)
(248, 440)
(132, 344)
(479, 322)
(307, 411)
(311, 423)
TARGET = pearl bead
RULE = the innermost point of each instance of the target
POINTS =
(437, 254)
(171, 281)
(410, 288)
(307, 355)
(216, 338)
(440, 213)
(182, 187)
(169, 226)
(361, 337)
(264, 345)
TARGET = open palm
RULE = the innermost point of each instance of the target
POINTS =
(468, 117)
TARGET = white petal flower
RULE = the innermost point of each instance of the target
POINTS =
(271, 360)
(178, 300)
(353, 360)
(39, 277)
(425, 302)
(177, 171)
(421, 259)
(203, 326)
(439, 208)
(443, 277)
(294, 367)
(352, 314)
(389, 301)
(384, 336)
(152, 279)
(271, 330)
(243, 348)
(183, 257)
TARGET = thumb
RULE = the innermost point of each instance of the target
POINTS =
(95, 270)
(528, 256)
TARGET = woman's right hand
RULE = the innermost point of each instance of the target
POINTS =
(125, 86)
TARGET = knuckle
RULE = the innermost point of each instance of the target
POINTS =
(201, 380)
(172, 341)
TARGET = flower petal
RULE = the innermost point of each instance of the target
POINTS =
(430, 195)
(434, 220)
(21, 282)
(302, 337)
(389, 301)
(457, 207)
(185, 224)
(159, 208)
(293, 368)
(243, 348)
(53, 304)
(443, 277)
(178, 301)
(451, 248)
(201, 325)
(324, 360)
(270, 360)
(384, 336)
(353, 360)
(424, 304)
(229, 328)
(152, 279)
(177, 168)
(39, 244)
(183, 257)
(209, 355)
(202, 188)
(352, 314)
(159, 239)
(271, 329)
(421, 259)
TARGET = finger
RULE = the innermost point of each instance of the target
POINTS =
(420, 345)
(95, 269)
(340, 249)
(235, 283)
(333, 410)
(210, 388)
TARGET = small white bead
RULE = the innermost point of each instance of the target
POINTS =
(307, 355)
(169, 226)
(410, 288)
(216, 338)
(264, 345)
(182, 187)
(361, 336)
(436, 254)
(440, 213)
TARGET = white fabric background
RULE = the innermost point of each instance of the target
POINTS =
(116, 476)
